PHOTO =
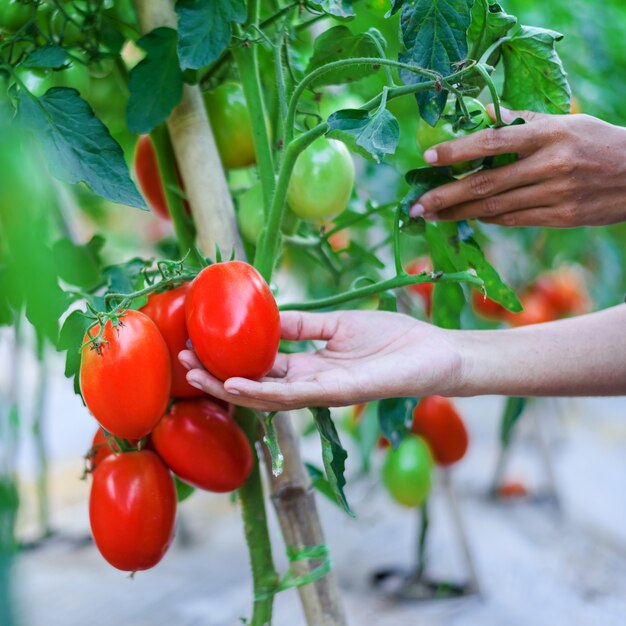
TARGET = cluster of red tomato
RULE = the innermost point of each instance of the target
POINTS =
(130, 377)
(553, 295)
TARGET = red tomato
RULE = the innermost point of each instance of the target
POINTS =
(132, 508)
(203, 446)
(565, 291)
(512, 489)
(167, 311)
(424, 290)
(101, 448)
(233, 321)
(149, 177)
(340, 240)
(436, 419)
(487, 307)
(126, 381)
(537, 310)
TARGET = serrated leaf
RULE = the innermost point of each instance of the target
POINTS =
(125, 277)
(48, 56)
(372, 136)
(395, 416)
(337, 8)
(155, 83)
(534, 77)
(339, 43)
(183, 490)
(321, 483)
(513, 410)
(434, 33)
(78, 265)
(333, 455)
(204, 28)
(77, 145)
(490, 22)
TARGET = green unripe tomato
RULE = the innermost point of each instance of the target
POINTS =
(446, 130)
(75, 76)
(407, 471)
(322, 180)
(250, 216)
(232, 128)
(13, 15)
(36, 81)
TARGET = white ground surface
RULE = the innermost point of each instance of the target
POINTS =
(535, 567)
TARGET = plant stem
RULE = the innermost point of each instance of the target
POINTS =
(402, 280)
(264, 576)
(421, 540)
(396, 241)
(494, 94)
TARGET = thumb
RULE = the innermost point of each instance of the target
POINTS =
(509, 115)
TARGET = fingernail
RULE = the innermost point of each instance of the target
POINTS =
(430, 156)
(417, 210)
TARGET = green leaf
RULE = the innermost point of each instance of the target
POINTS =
(125, 277)
(47, 56)
(333, 454)
(534, 77)
(71, 339)
(513, 410)
(368, 434)
(434, 33)
(156, 83)
(321, 483)
(490, 22)
(183, 490)
(339, 43)
(367, 257)
(204, 29)
(77, 145)
(372, 136)
(395, 416)
(78, 265)
(338, 8)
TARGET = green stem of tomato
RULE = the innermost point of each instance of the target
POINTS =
(494, 94)
(402, 280)
(183, 225)
(396, 240)
(264, 576)
(421, 540)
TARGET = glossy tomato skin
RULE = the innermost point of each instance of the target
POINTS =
(487, 307)
(14, 15)
(132, 509)
(203, 446)
(231, 124)
(167, 311)
(322, 180)
(250, 215)
(233, 321)
(423, 290)
(126, 382)
(438, 422)
(407, 471)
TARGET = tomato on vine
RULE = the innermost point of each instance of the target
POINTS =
(250, 214)
(203, 445)
(14, 15)
(407, 471)
(125, 380)
(438, 422)
(132, 509)
(233, 320)
(322, 180)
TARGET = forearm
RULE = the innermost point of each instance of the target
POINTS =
(583, 356)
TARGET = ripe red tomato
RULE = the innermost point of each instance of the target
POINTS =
(203, 446)
(537, 310)
(565, 291)
(423, 290)
(149, 177)
(167, 311)
(487, 307)
(233, 321)
(132, 509)
(126, 382)
(436, 419)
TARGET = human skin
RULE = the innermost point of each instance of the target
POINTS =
(571, 172)
(369, 355)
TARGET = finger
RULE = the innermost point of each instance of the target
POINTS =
(480, 185)
(189, 359)
(281, 365)
(301, 326)
(494, 206)
(549, 217)
(489, 142)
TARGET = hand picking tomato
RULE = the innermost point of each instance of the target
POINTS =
(322, 180)
(203, 446)
(233, 321)
(126, 381)
(167, 311)
(487, 307)
(407, 471)
(231, 124)
(436, 419)
(149, 177)
(423, 290)
(132, 509)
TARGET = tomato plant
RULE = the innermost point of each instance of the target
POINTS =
(423, 290)
(132, 509)
(250, 215)
(233, 321)
(125, 375)
(203, 445)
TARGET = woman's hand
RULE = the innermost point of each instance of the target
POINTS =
(368, 355)
(571, 172)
